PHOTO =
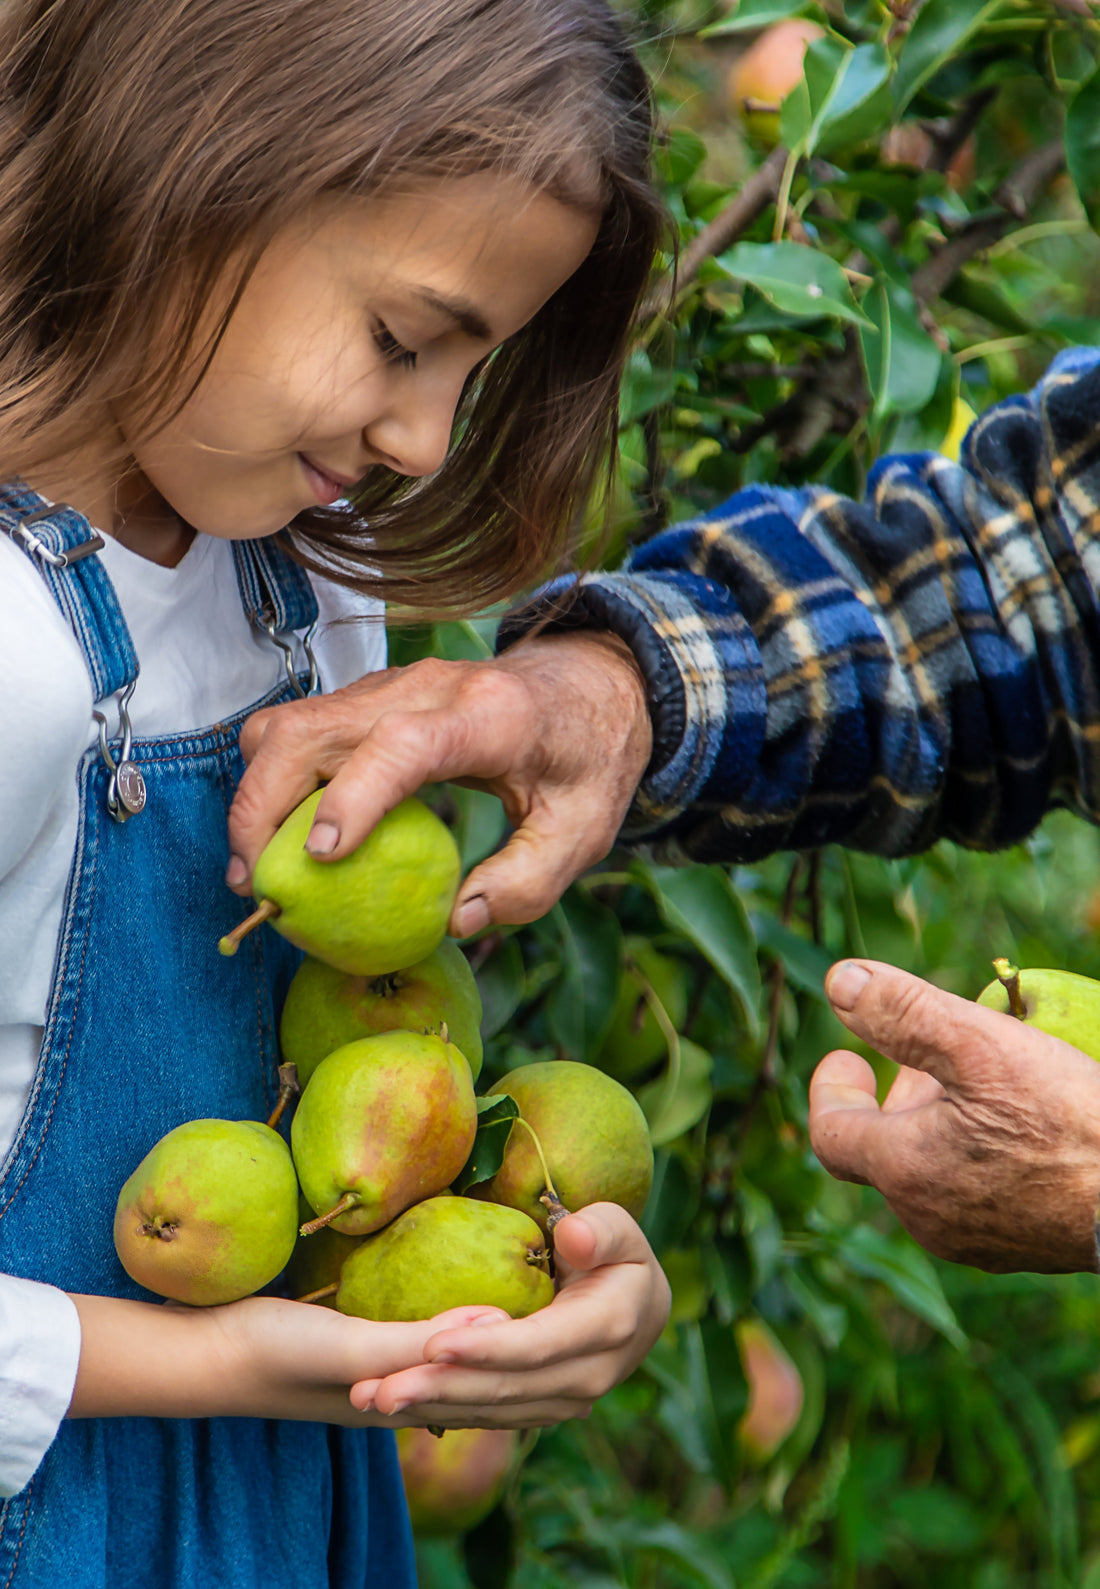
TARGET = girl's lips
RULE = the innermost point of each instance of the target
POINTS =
(325, 487)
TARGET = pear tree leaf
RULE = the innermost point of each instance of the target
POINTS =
(581, 1002)
(502, 984)
(669, 1115)
(905, 1270)
(700, 903)
(753, 14)
(903, 363)
(1083, 144)
(939, 33)
(843, 96)
(797, 280)
(494, 1124)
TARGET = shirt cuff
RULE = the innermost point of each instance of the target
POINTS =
(39, 1353)
(703, 676)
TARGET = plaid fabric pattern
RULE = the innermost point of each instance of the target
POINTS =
(924, 664)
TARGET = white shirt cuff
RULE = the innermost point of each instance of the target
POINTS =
(39, 1353)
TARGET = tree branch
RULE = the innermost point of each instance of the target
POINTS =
(751, 200)
(1015, 197)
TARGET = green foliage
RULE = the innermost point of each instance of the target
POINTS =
(950, 1424)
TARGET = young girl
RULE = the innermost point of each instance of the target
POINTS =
(260, 261)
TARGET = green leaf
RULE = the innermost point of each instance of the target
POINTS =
(463, 640)
(941, 29)
(843, 97)
(581, 1002)
(753, 14)
(500, 982)
(797, 280)
(671, 1114)
(906, 1272)
(494, 1124)
(1083, 144)
(700, 903)
(478, 826)
(804, 962)
(903, 363)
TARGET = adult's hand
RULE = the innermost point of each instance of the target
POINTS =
(987, 1147)
(557, 728)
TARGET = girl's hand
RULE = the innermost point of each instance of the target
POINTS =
(612, 1305)
(557, 727)
(260, 1358)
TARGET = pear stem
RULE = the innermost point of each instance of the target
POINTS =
(319, 1296)
(1008, 976)
(348, 1201)
(266, 910)
(549, 1190)
(288, 1089)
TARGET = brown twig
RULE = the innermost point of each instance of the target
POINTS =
(751, 200)
(1015, 197)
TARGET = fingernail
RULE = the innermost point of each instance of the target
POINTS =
(235, 872)
(323, 838)
(846, 983)
(472, 915)
(398, 1406)
(444, 1357)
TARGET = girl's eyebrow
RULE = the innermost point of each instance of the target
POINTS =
(468, 318)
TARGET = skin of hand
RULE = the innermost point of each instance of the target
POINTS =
(259, 1358)
(612, 1304)
(987, 1147)
(557, 727)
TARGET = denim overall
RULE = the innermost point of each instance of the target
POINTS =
(149, 1026)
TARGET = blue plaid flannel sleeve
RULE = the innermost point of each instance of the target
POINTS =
(924, 664)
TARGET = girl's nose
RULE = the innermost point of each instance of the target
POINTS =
(413, 435)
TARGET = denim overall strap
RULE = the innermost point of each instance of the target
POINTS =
(149, 1026)
(274, 588)
(61, 544)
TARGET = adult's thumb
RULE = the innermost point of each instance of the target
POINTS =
(522, 881)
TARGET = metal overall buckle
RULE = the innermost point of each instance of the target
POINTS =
(126, 793)
(21, 531)
(265, 620)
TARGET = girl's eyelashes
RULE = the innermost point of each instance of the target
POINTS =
(392, 351)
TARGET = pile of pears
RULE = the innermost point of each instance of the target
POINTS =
(380, 1034)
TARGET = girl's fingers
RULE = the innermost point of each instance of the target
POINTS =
(582, 1380)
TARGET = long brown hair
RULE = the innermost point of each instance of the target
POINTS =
(147, 146)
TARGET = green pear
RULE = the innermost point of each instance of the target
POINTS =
(1059, 1002)
(453, 1482)
(448, 1252)
(383, 1123)
(211, 1212)
(326, 1008)
(382, 908)
(593, 1136)
(634, 1039)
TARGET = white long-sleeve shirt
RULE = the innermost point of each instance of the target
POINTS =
(200, 662)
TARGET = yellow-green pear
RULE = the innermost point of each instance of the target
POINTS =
(453, 1482)
(383, 1123)
(382, 908)
(211, 1212)
(1059, 1002)
(593, 1136)
(448, 1252)
(326, 1008)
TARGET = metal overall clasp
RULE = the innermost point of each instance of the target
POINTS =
(264, 620)
(126, 793)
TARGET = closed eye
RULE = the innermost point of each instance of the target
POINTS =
(392, 351)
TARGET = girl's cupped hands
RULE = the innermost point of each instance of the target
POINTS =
(557, 728)
(612, 1303)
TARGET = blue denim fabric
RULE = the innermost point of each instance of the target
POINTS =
(148, 1027)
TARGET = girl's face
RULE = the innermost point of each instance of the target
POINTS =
(350, 348)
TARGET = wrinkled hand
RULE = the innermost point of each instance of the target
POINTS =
(987, 1147)
(557, 728)
(612, 1304)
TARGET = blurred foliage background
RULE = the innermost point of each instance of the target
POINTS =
(893, 230)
